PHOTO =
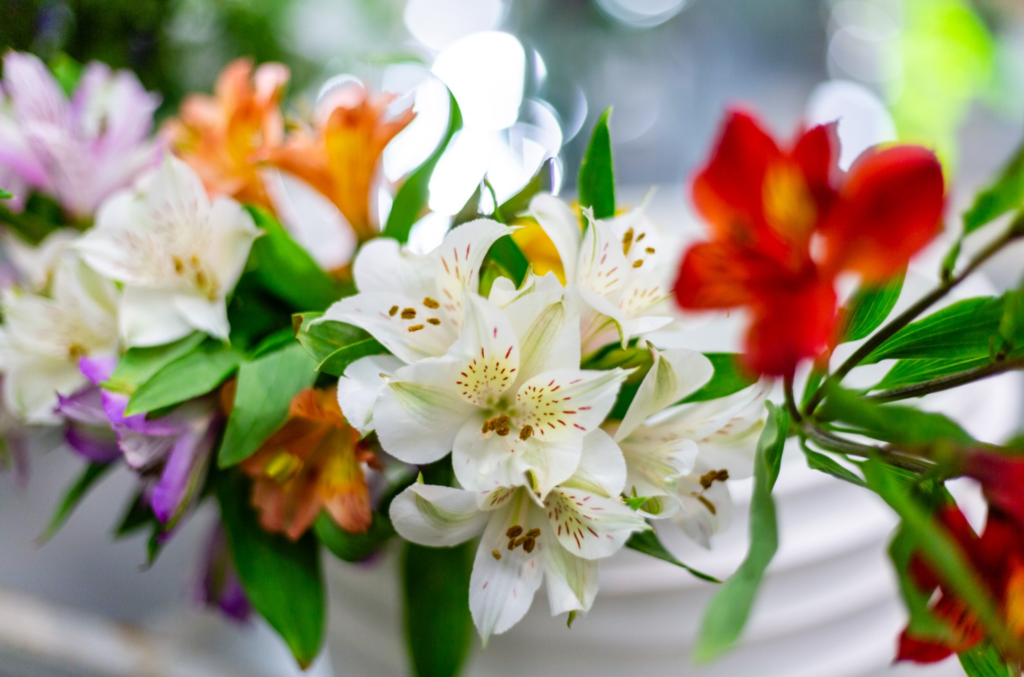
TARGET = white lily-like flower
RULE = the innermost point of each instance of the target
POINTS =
(682, 455)
(614, 268)
(44, 338)
(508, 399)
(524, 543)
(177, 254)
(411, 303)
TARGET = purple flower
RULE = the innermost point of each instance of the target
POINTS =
(218, 584)
(79, 151)
(171, 452)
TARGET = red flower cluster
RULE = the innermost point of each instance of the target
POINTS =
(785, 222)
(998, 558)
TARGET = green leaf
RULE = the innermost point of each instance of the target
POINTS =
(191, 375)
(983, 660)
(909, 372)
(508, 254)
(964, 329)
(729, 608)
(336, 363)
(351, 547)
(648, 543)
(1004, 194)
(323, 338)
(729, 378)
(471, 210)
(868, 308)
(281, 577)
(266, 387)
(73, 496)
(829, 466)
(138, 516)
(939, 549)
(597, 177)
(286, 270)
(435, 590)
(411, 199)
(66, 71)
(4, 195)
(138, 365)
(542, 182)
(902, 426)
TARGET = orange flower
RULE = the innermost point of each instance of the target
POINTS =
(313, 462)
(767, 205)
(339, 158)
(220, 136)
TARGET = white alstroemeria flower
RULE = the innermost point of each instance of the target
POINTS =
(44, 338)
(35, 264)
(685, 453)
(580, 522)
(177, 254)
(508, 399)
(411, 303)
(614, 268)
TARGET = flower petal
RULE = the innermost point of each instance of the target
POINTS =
(561, 225)
(385, 315)
(488, 461)
(360, 387)
(382, 265)
(459, 259)
(502, 589)
(176, 195)
(151, 318)
(419, 413)
(589, 525)
(548, 334)
(602, 265)
(437, 516)
(233, 232)
(705, 512)
(565, 403)
(488, 353)
(602, 468)
(571, 580)
(673, 375)
(654, 468)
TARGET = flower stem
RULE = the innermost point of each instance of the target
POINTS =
(1015, 231)
(946, 382)
(834, 443)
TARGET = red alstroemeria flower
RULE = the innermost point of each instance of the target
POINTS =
(997, 557)
(1002, 479)
(785, 222)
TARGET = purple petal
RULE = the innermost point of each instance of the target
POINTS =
(34, 92)
(97, 369)
(218, 583)
(84, 406)
(93, 444)
(185, 470)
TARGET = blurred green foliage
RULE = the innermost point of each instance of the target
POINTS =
(175, 46)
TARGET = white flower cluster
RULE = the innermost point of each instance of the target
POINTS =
(157, 265)
(499, 383)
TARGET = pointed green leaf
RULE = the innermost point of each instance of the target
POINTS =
(909, 372)
(438, 625)
(138, 365)
(506, 252)
(868, 308)
(286, 270)
(281, 577)
(137, 516)
(4, 195)
(597, 176)
(92, 474)
(830, 466)
(411, 199)
(336, 363)
(903, 426)
(265, 390)
(322, 338)
(1003, 195)
(191, 375)
(727, 613)
(729, 378)
(964, 329)
(648, 543)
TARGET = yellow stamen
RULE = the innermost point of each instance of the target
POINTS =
(431, 303)
(416, 327)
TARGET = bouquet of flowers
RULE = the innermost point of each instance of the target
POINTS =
(224, 309)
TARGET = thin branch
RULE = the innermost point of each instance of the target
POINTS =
(1015, 231)
(827, 440)
(787, 387)
(950, 381)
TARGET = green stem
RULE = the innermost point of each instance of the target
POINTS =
(834, 443)
(946, 382)
(1015, 231)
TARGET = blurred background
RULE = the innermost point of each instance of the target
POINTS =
(531, 77)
